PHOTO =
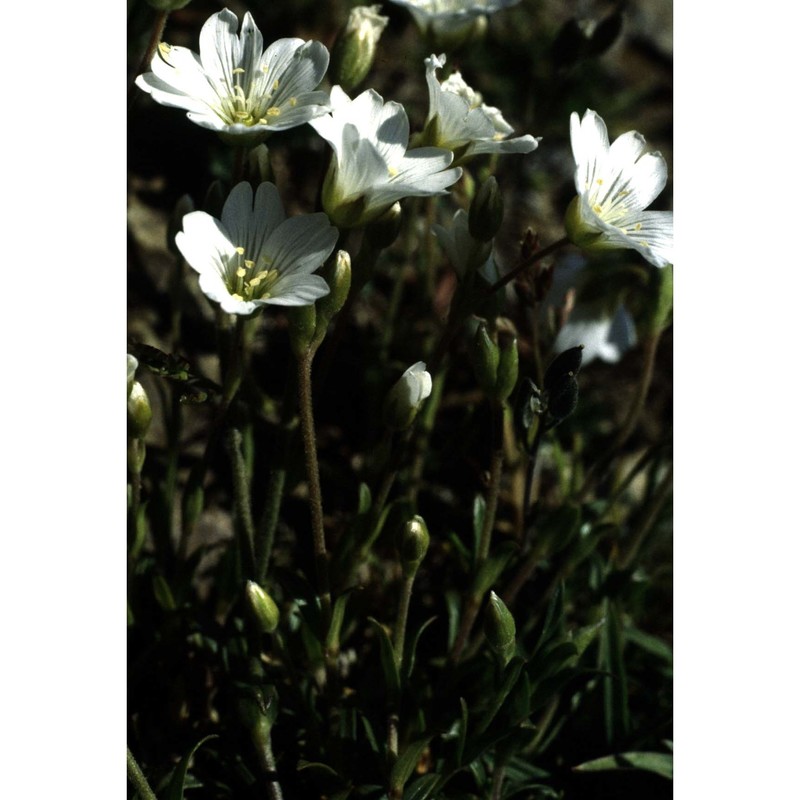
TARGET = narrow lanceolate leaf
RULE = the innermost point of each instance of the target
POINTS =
(423, 787)
(388, 663)
(404, 766)
(410, 656)
(178, 780)
(660, 763)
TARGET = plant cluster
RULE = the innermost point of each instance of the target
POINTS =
(399, 453)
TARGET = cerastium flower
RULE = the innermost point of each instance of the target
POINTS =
(615, 183)
(371, 167)
(254, 255)
(459, 120)
(236, 88)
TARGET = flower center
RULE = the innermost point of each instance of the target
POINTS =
(608, 204)
(247, 280)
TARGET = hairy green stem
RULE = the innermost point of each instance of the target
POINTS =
(241, 495)
(304, 363)
(137, 778)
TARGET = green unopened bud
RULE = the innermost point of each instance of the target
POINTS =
(136, 455)
(406, 397)
(338, 276)
(258, 169)
(413, 545)
(139, 411)
(485, 357)
(507, 370)
(447, 35)
(355, 47)
(168, 5)
(262, 607)
(486, 211)
(383, 231)
(500, 629)
(302, 327)
(660, 308)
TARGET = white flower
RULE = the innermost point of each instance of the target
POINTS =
(254, 256)
(604, 336)
(451, 23)
(614, 184)
(459, 120)
(235, 88)
(406, 396)
(602, 325)
(371, 169)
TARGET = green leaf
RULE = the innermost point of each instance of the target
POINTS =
(478, 516)
(583, 637)
(163, 593)
(178, 781)
(337, 617)
(650, 644)
(422, 788)
(492, 568)
(660, 763)
(462, 732)
(364, 498)
(411, 650)
(405, 764)
(388, 663)
(615, 686)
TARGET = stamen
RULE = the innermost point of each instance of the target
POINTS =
(275, 84)
(393, 171)
(241, 272)
(274, 111)
(237, 296)
(292, 101)
(239, 71)
(240, 250)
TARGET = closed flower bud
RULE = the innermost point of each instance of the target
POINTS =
(133, 363)
(139, 412)
(486, 211)
(485, 358)
(354, 50)
(406, 397)
(413, 545)
(258, 169)
(338, 276)
(500, 628)
(507, 371)
(262, 607)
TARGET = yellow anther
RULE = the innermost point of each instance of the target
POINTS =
(240, 250)
(241, 272)
(638, 226)
(164, 50)
(393, 171)
(292, 101)
(599, 181)
(274, 111)
(237, 297)
(249, 264)
(275, 84)
(598, 208)
(239, 71)
(255, 281)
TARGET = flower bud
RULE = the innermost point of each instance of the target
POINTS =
(486, 211)
(485, 358)
(139, 412)
(355, 47)
(338, 276)
(507, 370)
(500, 628)
(262, 607)
(406, 397)
(413, 545)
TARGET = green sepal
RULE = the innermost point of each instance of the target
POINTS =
(302, 327)
(485, 358)
(507, 371)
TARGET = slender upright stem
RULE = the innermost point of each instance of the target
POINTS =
(402, 619)
(267, 760)
(137, 778)
(497, 781)
(304, 363)
(241, 494)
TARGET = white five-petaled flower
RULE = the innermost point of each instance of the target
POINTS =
(371, 168)
(615, 183)
(452, 23)
(236, 88)
(254, 255)
(459, 120)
